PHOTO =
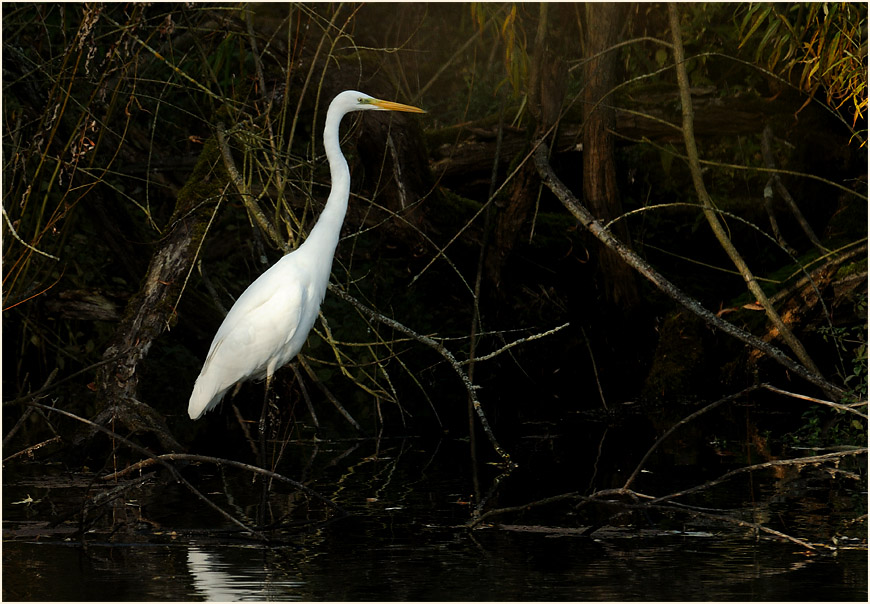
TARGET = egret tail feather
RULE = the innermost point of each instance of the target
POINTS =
(203, 399)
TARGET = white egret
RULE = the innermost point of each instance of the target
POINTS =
(270, 321)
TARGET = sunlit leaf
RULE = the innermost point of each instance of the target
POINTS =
(759, 19)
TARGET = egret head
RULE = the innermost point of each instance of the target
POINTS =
(360, 101)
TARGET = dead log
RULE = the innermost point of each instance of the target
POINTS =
(152, 309)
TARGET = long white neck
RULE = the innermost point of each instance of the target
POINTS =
(324, 236)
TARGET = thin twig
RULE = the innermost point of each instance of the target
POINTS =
(329, 395)
(524, 507)
(21, 241)
(30, 450)
(305, 395)
(449, 62)
(803, 397)
(45, 389)
(594, 369)
(129, 29)
(219, 461)
(478, 283)
(247, 197)
(516, 342)
(682, 422)
(440, 349)
(27, 412)
(767, 197)
(769, 162)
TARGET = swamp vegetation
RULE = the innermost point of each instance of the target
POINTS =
(647, 218)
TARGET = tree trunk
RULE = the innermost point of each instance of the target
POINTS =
(546, 91)
(600, 189)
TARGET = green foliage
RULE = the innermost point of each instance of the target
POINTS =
(852, 343)
(825, 41)
(825, 427)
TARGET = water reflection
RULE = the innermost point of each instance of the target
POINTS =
(222, 574)
(442, 565)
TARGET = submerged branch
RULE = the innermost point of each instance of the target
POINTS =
(162, 461)
(219, 461)
(799, 461)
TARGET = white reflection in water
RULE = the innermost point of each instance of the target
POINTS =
(218, 581)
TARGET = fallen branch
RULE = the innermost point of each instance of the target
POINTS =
(644, 506)
(745, 523)
(799, 461)
(223, 462)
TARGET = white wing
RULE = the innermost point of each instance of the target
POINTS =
(257, 335)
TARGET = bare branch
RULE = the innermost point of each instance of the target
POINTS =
(440, 349)
(585, 217)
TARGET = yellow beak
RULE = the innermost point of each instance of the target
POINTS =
(391, 106)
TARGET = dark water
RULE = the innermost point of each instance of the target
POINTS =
(406, 538)
(433, 566)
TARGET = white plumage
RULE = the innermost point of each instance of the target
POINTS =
(270, 321)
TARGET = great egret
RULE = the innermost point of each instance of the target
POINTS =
(270, 321)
